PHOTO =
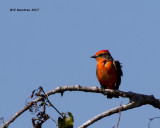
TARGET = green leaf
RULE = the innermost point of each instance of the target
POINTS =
(66, 121)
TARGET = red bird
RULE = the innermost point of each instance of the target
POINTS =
(108, 70)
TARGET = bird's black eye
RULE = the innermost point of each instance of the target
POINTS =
(100, 54)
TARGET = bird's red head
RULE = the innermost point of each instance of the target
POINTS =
(102, 54)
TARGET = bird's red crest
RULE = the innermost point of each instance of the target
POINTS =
(102, 51)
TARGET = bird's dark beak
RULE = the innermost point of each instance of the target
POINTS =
(93, 56)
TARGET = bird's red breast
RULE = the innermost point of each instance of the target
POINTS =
(106, 74)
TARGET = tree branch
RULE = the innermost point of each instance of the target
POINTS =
(136, 99)
(108, 113)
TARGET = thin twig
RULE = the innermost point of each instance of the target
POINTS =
(150, 120)
(119, 118)
(53, 120)
(2, 120)
(50, 104)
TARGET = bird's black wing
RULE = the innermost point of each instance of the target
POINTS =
(118, 67)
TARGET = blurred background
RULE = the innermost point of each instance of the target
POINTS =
(51, 47)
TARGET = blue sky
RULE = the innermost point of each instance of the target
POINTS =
(52, 47)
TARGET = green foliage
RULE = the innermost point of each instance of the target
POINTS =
(66, 121)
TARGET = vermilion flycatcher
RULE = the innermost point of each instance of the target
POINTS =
(108, 70)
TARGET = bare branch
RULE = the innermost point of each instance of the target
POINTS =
(136, 100)
(108, 113)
